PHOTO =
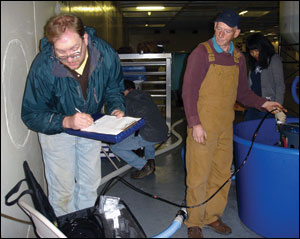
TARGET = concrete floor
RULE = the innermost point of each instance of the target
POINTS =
(168, 182)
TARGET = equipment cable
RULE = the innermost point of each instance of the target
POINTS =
(185, 206)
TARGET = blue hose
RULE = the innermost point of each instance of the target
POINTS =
(294, 90)
(176, 224)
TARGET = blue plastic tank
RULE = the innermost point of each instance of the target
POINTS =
(268, 184)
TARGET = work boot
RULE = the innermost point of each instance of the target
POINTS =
(145, 171)
(195, 232)
(219, 227)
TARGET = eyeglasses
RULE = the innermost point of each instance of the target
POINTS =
(74, 55)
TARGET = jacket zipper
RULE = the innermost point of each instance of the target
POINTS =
(95, 95)
(80, 95)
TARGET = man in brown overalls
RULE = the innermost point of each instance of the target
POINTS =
(214, 79)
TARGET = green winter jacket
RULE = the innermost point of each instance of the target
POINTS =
(51, 93)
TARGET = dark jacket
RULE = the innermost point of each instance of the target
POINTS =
(140, 104)
(52, 93)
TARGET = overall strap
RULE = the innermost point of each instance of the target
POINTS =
(211, 56)
(236, 56)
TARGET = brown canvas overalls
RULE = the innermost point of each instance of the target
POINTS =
(208, 166)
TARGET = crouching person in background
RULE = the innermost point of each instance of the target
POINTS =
(140, 104)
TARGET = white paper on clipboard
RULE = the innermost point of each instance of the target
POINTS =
(109, 124)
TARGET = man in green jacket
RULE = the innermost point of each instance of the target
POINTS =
(73, 76)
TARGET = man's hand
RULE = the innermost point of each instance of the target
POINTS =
(273, 105)
(118, 113)
(199, 134)
(78, 121)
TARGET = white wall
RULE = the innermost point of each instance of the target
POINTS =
(21, 30)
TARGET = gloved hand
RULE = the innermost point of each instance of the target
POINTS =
(280, 117)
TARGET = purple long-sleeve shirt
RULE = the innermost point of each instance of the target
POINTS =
(196, 70)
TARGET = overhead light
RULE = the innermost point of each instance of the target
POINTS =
(257, 13)
(149, 13)
(150, 8)
(243, 12)
(146, 25)
(157, 25)
(87, 9)
(92, 9)
(254, 31)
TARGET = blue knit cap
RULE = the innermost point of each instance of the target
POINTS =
(230, 18)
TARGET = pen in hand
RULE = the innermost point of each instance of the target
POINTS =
(81, 112)
(78, 110)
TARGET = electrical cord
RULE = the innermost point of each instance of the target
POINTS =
(180, 205)
(15, 219)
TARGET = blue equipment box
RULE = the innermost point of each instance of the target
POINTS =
(135, 69)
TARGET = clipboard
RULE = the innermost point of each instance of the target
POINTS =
(108, 137)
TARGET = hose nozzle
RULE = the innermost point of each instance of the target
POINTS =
(183, 213)
(280, 117)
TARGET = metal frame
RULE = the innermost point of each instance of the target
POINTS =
(166, 60)
(149, 59)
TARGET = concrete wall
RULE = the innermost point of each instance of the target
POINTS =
(289, 22)
(21, 29)
(101, 15)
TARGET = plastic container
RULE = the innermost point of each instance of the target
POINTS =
(268, 184)
(135, 70)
